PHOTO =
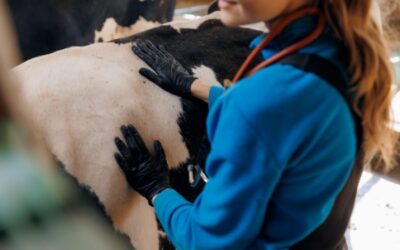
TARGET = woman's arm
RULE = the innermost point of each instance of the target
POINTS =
(230, 211)
(200, 89)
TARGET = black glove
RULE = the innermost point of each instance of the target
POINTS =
(146, 174)
(169, 74)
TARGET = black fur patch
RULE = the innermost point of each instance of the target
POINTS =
(221, 48)
(213, 7)
(165, 243)
(48, 25)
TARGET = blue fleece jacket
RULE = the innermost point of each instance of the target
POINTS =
(282, 147)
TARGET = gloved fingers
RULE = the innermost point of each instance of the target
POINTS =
(122, 163)
(164, 52)
(149, 60)
(147, 54)
(154, 55)
(149, 49)
(123, 149)
(179, 68)
(133, 148)
(159, 151)
(151, 76)
(138, 141)
(146, 45)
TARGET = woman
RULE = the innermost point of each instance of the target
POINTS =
(283, 138)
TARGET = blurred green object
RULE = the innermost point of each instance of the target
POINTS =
(40, 210)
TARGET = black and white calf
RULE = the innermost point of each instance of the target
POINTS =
(46, 26)
(78, 98)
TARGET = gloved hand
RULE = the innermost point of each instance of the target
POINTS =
(145, 173)
(169, 74)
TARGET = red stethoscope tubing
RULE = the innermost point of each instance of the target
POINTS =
(278, 28)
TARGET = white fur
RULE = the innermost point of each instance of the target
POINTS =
(206, 74)
(111, 30)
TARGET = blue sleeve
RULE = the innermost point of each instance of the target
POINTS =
(230, 211)
(214, 94)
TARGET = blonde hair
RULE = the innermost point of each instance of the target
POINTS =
(372, 73)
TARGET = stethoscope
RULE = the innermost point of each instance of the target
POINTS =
(195, 172)
(275, 31)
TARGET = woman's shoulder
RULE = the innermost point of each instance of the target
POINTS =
(285, 105)
(283, 88)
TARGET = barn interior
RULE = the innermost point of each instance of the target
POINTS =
(43, 209)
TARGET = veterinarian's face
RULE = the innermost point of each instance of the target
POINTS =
(238, 12)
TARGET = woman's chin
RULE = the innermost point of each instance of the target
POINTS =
(230, 19)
